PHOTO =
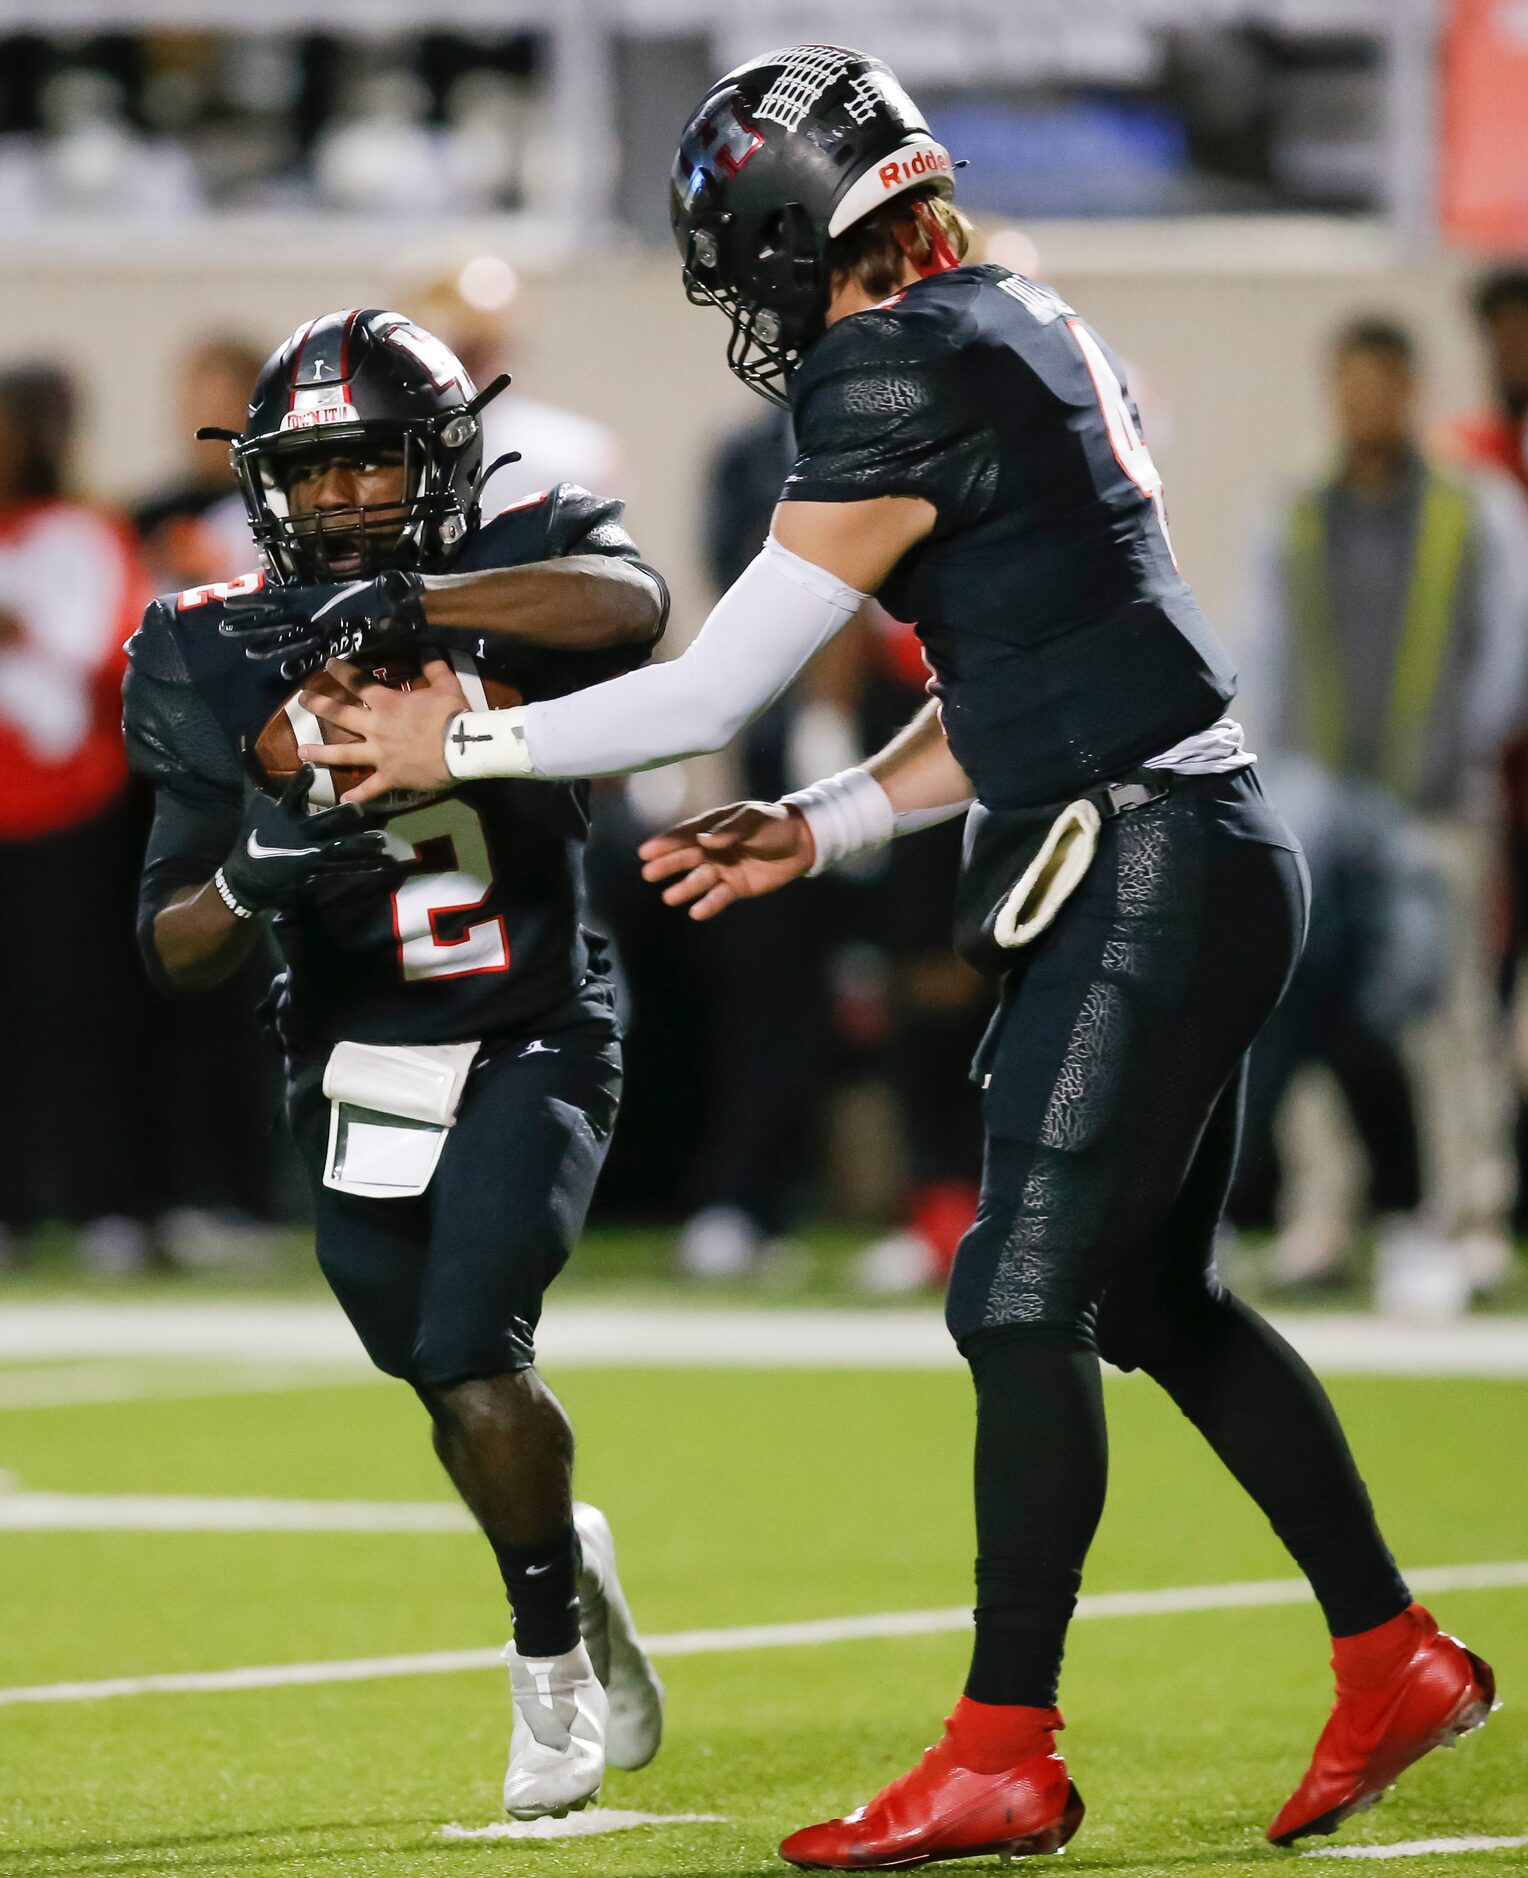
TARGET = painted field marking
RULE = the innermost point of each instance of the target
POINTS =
(1173, 1600)
(69, 1385)
(582, 1825)
(297, 1332)
(189, 1512)
(1418, 1848)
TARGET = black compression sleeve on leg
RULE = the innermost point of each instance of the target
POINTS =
(1041, 1466)
(542, 1582)
(1266, 1415)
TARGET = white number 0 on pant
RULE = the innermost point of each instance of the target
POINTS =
(454, 875)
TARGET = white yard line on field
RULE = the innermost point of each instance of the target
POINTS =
(66, 1385)
(294, 1333)
(1418, 1848)
(584, 1825)
(190, 1512)
(1174, 1600)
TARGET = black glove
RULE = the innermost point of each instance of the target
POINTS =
(282, 852)
(305, 627)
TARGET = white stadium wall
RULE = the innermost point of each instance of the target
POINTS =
(1225, 322)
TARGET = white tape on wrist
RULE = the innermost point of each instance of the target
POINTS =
(848, 814)
(488, 743)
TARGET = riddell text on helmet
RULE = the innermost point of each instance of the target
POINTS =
(903, 170)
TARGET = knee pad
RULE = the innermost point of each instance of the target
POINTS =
(995, 1344)
(1037, 1248)
(1010, 1274)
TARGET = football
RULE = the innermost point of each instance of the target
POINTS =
(293, 724)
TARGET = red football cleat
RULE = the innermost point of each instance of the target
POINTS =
(1402, 1690)
(944, 1808)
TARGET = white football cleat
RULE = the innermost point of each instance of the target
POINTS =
(635, 1694)
(557, 1744)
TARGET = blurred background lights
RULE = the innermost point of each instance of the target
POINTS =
(488, 283)
(1012, 248)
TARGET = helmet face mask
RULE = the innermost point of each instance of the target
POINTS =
(784, 154)
(369, 391)
(769, 338)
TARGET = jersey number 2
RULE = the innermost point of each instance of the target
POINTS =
(1129, 446)
(445, 846)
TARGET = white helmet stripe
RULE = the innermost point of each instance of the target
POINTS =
(919, 160)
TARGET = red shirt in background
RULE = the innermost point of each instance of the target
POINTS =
(1489, 441)
(71, 591)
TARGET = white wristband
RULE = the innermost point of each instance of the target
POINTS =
(849, 813)
(229, 898)
(488, 743)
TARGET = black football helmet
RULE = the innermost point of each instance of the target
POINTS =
(784, 153)
(372, 386)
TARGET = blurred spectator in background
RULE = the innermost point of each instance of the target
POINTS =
(1496, 438)
(762, 1148)
(791, 979)
(381, 155)
(193, 528)
(479, 313)
(88, 158)
(1374, 964)
(73, 1002)
(1390, 631)
(213, 1070)
(939, 1006)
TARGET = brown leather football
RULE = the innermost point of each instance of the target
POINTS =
(292, 724)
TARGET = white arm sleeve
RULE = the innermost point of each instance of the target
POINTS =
(776, 615)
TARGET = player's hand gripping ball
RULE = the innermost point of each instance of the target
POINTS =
(305, 627)
(277, 753)
(284, 851)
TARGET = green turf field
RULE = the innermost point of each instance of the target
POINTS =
(743, 1497)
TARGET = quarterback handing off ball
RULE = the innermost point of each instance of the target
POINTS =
(294, 724)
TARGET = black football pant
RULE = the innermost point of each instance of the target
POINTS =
(448, 1287)
(1115, 1068)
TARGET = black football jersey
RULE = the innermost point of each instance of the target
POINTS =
(1065, 645)
(486, 933)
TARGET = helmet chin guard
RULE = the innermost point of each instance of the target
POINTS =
(783, 154)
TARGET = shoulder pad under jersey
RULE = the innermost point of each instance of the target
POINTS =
(168, 728)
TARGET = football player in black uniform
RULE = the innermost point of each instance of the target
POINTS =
(968, 452)
(453, 1061)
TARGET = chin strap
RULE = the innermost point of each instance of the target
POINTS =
(942, 257)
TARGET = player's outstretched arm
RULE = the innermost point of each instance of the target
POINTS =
(751, 848)
(811, 578)
(578, 603)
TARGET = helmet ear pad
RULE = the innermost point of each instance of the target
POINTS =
(790, 281)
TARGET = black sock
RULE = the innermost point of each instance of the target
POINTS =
(542, 1582)
(1041, 1463)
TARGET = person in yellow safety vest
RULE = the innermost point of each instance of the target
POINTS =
(1388, 642)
